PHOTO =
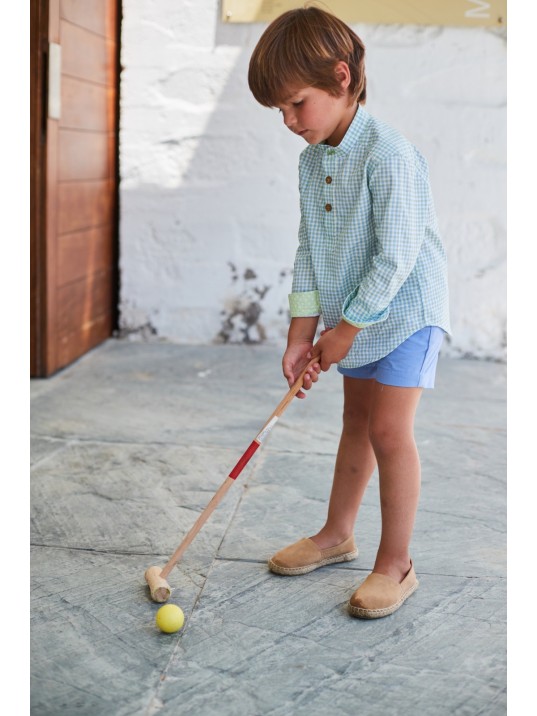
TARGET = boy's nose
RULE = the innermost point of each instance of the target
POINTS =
(289, 120)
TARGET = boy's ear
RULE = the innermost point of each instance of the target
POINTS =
(343, 74)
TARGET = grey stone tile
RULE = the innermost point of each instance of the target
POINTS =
(160, 393)
(129, 445)
(130, 499)
(263, 644)
(42, 448)
(95, 648)
(467, 394)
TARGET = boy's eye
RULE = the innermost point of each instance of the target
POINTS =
(297, 103)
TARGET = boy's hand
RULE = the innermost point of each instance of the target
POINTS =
(295, 359)
(334, 344)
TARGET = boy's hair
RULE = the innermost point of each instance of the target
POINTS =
(301, 49)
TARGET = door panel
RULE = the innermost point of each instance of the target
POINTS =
(84, 155)
(84, 252)
(97, 16)
(85, 106)
(81, 304)
(74, 257)
(84, 54)
(82, 205)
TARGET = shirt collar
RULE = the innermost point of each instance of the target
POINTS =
(352, 135)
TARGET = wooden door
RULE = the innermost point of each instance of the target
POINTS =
(74, 179)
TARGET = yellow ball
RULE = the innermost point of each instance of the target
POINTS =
(170, 618)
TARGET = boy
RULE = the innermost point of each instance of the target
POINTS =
(371, 262)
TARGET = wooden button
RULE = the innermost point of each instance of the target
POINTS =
(328, 180)
(328, 207)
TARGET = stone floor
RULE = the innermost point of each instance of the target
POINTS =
(128, 446)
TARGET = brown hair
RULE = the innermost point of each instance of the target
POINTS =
(301, 49)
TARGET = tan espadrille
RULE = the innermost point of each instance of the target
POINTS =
(380, 595)
(304, 556)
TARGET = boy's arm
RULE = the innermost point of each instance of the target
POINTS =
(400, 202)
(305, 308)
(299, 351)
(400, 205)
(335, 343)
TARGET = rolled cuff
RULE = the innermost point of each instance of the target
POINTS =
(304, 304)
(352, 314)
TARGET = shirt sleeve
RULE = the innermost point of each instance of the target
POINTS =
(399, 206)
(304, 300)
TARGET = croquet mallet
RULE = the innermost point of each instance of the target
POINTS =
(156, 576)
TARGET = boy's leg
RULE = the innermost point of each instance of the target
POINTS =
(354, 464)
(391, 432)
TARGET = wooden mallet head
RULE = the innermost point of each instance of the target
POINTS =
(159, 588)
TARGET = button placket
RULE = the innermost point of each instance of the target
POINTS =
(327, 189)
(329, 168)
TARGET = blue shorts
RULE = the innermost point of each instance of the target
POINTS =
(411, 365)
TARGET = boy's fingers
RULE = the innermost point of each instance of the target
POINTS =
(318, 365)
(288, 375)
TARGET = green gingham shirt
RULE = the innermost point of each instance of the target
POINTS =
(369, 248)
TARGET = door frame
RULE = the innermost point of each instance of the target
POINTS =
(38, 137)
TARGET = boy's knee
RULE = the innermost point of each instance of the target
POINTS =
(386, 438)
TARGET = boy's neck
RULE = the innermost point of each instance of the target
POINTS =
(346, 121)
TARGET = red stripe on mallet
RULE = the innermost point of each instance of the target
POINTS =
(245, 459)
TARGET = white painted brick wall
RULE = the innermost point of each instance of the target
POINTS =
(208, 194)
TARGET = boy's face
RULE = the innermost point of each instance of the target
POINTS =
(317, 116)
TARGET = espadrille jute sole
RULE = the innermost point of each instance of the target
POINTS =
(378, 613)
(293, 571)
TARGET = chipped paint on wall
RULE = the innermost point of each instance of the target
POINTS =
(136, 324)
(241, 315)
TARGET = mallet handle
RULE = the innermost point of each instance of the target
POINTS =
(196, 527)
(239, 467)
